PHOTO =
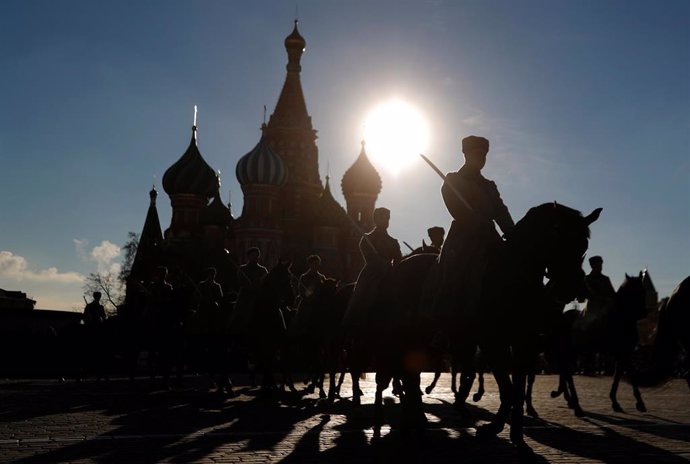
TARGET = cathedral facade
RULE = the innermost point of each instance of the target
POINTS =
(288, 212)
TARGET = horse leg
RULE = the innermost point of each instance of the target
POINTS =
(505, 392)
(639, 403)
(614, 388)
(466, 381)
(517, 437)
(528, 396)
(356, 392)
(574, 401)
(397, 387)
(413, 417)
(561, 387)
(480, 390)
(433, 383)
(453, 379)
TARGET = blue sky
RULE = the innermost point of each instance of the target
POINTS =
(585, 102)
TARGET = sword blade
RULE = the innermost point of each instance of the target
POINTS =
(451, 186)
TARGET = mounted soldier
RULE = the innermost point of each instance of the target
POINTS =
(436, 237)
(380, 252)
(250, 276)
(475, 205)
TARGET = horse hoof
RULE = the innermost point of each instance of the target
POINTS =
(616, 407)
(310, 388)
(532, 412)
(555, 393)
(428, 390)
(477, 397)
(322, 394)
(356, 400)
(640, 406)
(579, 412)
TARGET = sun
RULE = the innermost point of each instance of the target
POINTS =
(395, 133)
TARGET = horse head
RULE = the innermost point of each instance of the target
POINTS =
(555, 239)
(631, 297)
(279, 283)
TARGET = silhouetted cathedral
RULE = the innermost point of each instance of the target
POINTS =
(287, 212)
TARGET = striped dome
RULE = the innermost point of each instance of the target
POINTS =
(261, 166)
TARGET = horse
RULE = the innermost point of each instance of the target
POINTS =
(615, 334)
(672, 336)
(460, 358)
(550, 241)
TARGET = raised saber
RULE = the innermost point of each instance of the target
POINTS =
(450, 186)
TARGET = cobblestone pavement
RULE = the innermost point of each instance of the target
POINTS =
(46, 422)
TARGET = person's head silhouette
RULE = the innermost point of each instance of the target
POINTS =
(475, 150)
(382, 217)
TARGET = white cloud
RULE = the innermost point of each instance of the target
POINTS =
(16, 267)
(104, 256)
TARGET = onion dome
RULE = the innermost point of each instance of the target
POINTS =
(261, 165)
(328, 211)
(191, 174)
(361, 177)
(295, 40)
(216, 213)
(153, 194)
(294, 44)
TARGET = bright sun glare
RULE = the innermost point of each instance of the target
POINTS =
(395, 133)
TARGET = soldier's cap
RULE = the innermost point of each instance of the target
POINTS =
(382, 212)
(596, 259)
(474, 142)
(435, 230)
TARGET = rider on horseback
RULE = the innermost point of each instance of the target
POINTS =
(380, 252)
(472, 236)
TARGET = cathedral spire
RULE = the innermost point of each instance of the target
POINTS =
(291, 109)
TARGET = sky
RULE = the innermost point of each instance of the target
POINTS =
(584, 102)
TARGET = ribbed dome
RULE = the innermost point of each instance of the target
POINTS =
(191, 174)
(362, 177)
(261, 166)
(295, 40)
(328, 212)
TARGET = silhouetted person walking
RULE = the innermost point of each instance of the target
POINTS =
(94, 317)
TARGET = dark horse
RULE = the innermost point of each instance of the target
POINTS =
(672, 336)
(616, 334)
(549, 242)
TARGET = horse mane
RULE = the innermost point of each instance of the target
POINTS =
(555, 213)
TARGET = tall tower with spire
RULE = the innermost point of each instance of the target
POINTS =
(290, 134)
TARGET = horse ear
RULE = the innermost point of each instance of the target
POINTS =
(593, 216)
(555, 204)
(627, 276)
